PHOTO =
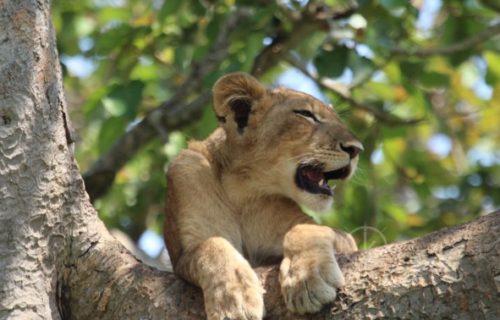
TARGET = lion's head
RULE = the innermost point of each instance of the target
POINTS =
(282, 142)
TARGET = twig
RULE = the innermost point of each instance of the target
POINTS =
(316, 16)
(386, 118)
(468, 43)
(368, 76)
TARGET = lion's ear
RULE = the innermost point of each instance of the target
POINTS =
(234, 96)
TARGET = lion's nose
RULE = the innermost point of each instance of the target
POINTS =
(352, 148)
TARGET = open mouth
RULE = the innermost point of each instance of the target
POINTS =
(314, 180)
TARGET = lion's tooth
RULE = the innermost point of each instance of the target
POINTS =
(321, 182)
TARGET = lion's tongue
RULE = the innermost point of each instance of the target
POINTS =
(313, 180)
(314, 175)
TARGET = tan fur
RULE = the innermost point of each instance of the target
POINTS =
(232, 201)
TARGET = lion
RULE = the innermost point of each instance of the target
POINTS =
(233, 200)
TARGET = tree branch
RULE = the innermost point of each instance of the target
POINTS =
(386, 118)
(316, 16)
(454, 272)
(468, 43)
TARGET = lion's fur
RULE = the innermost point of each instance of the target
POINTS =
(232, 201)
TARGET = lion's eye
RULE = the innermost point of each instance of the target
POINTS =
(306, 114)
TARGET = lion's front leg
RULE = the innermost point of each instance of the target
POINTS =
(309, 273)
(231, 289)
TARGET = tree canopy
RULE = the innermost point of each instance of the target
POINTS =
(417, 81)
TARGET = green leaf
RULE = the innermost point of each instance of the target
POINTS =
(331, 63)
(493, 71)
(124, 99)
(411, 69)
(434, 80)
(111, 129)
(339, 3)
(113, 39)
(382, 90)
(111, 13)
(456, 29)
(393, 4)
(116, 107)
(169, 8)
(145, 72)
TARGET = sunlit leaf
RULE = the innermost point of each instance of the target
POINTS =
(493, 72)
(116, 107)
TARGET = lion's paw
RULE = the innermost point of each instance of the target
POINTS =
(344, 242)
(237, 298)
(309, 281)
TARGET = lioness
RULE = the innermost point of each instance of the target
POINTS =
(233, 200)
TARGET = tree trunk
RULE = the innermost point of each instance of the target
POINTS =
(38, 189)
(58, 261)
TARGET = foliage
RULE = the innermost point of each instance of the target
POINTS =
(429, 121)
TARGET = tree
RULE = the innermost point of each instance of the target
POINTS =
(59, 261)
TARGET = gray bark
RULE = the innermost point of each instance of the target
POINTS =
(36, 167)
(58, 261)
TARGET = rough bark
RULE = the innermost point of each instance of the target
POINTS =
(58, 261)
(36, 168)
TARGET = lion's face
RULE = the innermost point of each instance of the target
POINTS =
(283, 141)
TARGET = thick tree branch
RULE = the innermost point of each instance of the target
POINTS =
(450, 273)
(463, 45)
